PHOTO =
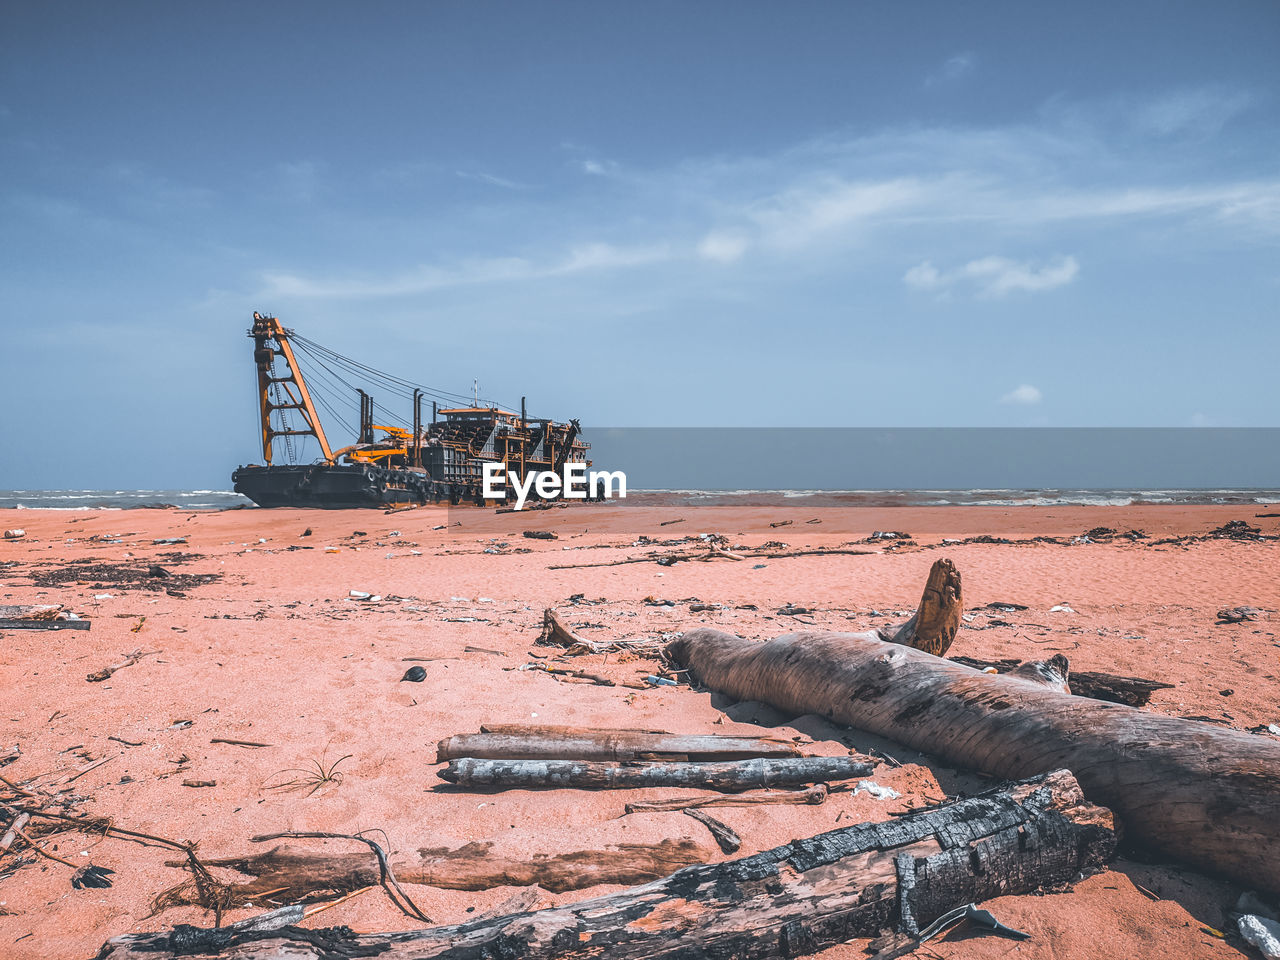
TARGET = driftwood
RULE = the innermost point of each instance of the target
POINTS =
(609, 745)
(298, 874)
(727, 776)
(1189, 790)
(725, 836)
(933, 626)
(791, 900)
(130, 659)
(1134, 691)
(812, 796)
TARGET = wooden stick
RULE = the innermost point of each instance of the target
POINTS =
(728, 776)
(130, 659)
(813, 795)
(725, 837)
(793, 900)
(609, 745)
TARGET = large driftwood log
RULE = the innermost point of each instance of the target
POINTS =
(296, 874)
(792, 900)
(729, 776)
(609, 745)
(1190, 790)
(1135, 691)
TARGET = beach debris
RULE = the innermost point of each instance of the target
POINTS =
(159, 572)
(781, 523)
(92, 877)
(704, 607)
(814, 892)
(583, 743)
(971, 914)
(811, 796)
(726, 838)
(667, 523)
(414, 675)
(876, 790)
(1262, 933)
(556, 633)
(1063, 607)
(540, 535)
(16, 533)
(1236, 530)
(791, 610)
(295, 872)
(887, 535)
(1238, 614)
(305, 533)
(729, 775)
(660, 681)
(129, 660)
(932, 628)
(1004, 606)
(935, 706)
(199, 783)
(167, 541)
(235, 743)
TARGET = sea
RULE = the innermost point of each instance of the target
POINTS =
(229, 499)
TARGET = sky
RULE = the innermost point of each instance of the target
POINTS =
(636, 214)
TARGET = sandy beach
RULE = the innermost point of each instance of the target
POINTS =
(255, 637)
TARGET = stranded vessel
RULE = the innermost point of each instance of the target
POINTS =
(439, 461)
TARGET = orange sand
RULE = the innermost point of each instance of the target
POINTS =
(275, 652)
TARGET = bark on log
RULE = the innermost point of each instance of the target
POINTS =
(293, 873)
(729, 776)
(793, 900)
(610, 745)
(1192, 791)
(812, 796)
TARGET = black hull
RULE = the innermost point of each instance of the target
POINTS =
(345, 486)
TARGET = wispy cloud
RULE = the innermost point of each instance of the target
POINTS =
(1024, 395)
(429, 277)
(995, 276)
(953, 68)
(482, 177)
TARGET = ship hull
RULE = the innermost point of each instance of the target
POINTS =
(343, 486)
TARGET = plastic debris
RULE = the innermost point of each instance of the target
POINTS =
(660, 681)
(358, 595)
(971, 913)
(1061, 608)
(414, 675)
(1261, 933)
(17, 533)
(876, 790)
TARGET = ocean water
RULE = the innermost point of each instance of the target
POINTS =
(228, 499)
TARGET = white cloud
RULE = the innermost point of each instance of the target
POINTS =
(723, 246)
(995, 276)
(1024, 395)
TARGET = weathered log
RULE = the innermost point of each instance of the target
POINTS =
(1134, 691)
(729, 776)
(609, 745)
(933, 626)
(726, 837)
(795, 899)
(1192, 791)
(297, 874)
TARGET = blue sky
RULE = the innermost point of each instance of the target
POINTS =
(717, 214)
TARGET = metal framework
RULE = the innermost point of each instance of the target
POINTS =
(271, 340)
